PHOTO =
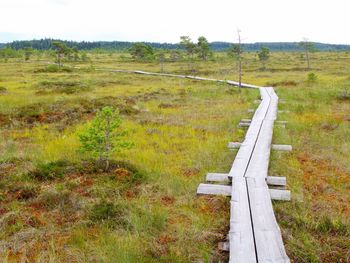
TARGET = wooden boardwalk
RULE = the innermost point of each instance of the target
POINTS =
(254, 234)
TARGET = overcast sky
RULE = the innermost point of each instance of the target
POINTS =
(165, 21)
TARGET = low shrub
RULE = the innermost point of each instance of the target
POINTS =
(122, 171)
(61, 86)
(114, 214)
(10, 223)
(32, 110)
(311, 77)
(51, 170)
(344, 94)
(25, 192)
(54, 199)
(327, 225)
(2, 90)
(53, 69)
(127, 172)
(283, 83)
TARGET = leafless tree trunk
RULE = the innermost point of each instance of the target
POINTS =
(162, 65)
(59, 58)
(107, 143)
(307, 57)
(239, 57)
(307, 49)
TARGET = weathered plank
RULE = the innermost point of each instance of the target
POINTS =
(224, 246)
(223, 177)
(281, 122)
(217, 177)
(217, 189)
(278, 194)
(241, 237)
(214, 189)
(276, 180)
(282, 147)
(234, 145)
(276, 147)
(244, 124)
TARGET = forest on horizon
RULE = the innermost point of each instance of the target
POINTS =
(46, 44)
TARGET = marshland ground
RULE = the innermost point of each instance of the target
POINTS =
(57, 206)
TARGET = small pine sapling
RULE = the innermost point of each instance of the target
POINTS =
(104, 136)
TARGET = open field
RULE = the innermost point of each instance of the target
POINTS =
(56, 206)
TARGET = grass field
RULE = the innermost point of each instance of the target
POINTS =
(57, 206)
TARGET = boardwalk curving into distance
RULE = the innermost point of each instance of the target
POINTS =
(254, 234)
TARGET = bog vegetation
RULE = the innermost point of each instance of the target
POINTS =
(72, 190)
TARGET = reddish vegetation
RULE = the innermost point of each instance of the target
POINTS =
(35, 219)
(167, 200)
(122, 173)
(211, 205)
(84, 187)
(129, 194)
(179, 219)
(322, 180)
(3, 211)
(190, 171)
(165, 239)
(7, 168)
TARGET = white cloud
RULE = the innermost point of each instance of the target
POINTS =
(165, 21)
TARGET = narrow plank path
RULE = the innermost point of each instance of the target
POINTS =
(254, 234)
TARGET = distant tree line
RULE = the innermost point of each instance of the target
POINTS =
(46, 44)
(59, 50)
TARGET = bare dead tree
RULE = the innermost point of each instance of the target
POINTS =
(235, 51)
(239, 57)
(308, 47)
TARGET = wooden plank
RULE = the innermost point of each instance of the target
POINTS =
(282, 147)
(246, 120)
(282, 122)
(241, 238)
(224, 246)
(223, 177)
(276, 147)
(244, 124)
(214, 189)
(276, 180)
(278, 194)
(217, 177)
(234, 145)
(218, 189)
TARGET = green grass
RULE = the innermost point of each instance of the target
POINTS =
(57, 206)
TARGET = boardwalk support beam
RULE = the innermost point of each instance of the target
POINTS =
(277, 147)
(224, 177)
